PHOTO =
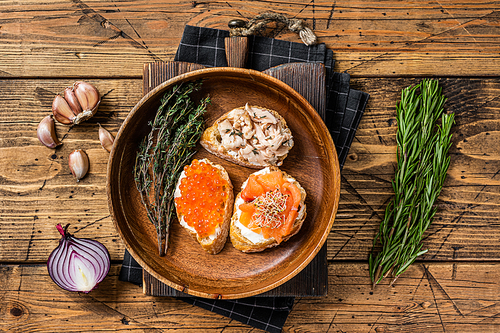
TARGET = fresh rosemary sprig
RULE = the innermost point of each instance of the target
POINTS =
(164, 152)
(422, 163)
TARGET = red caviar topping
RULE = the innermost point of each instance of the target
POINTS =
(203, 193)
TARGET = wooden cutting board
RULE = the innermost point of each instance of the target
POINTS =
(309, 80)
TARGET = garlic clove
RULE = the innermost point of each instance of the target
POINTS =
(87, 95)
(89, 100)
(46, 132)
(62, 111)
(106, 138)
(70, 97)
(78, 164)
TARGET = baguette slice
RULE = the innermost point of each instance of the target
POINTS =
(215, 242)
(240, 235)
(252, 136)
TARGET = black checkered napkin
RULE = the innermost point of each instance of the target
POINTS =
(266, 313)
(131, 271)
(205, 46)
(344, 108)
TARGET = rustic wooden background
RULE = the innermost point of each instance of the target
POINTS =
(384, 45)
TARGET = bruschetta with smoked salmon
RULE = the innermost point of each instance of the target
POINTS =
(268, 211)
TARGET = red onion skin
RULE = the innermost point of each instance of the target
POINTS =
(61, 230)
(60, 271)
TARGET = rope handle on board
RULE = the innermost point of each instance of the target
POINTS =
(241, 28)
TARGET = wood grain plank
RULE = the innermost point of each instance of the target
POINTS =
(108, 39)
(37, 190)
(36, 186)
(308, 79)
(427, 298)
(467, 205)
(430, 298)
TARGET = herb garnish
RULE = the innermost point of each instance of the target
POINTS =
(164, 152)
(422, 163)
(236, 132)
(269, 209)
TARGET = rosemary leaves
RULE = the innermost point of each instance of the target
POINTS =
(164, 152)
(422, 163)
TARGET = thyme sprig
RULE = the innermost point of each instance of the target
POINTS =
(422, 164)
(164, 152)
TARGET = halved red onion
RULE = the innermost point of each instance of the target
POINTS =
(78, 264)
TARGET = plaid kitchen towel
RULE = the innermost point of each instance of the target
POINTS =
(344, 108)
(266, 313)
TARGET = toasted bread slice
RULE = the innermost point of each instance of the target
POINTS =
(250, 136)
(246, 240)
(214, 242)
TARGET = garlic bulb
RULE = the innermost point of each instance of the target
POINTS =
(78, 164)
(46, 132)
(79, 103)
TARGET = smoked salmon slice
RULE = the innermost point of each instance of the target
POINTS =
(271, 205)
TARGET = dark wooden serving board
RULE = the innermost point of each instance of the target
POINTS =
(309, 80)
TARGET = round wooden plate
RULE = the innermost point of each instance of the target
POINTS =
(231, 273)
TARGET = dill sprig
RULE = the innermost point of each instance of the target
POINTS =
(175, 130)
(422, 163)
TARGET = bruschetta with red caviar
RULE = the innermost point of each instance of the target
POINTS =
(268, 211)
(203, 201)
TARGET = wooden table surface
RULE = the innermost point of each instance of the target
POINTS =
(384, 45)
